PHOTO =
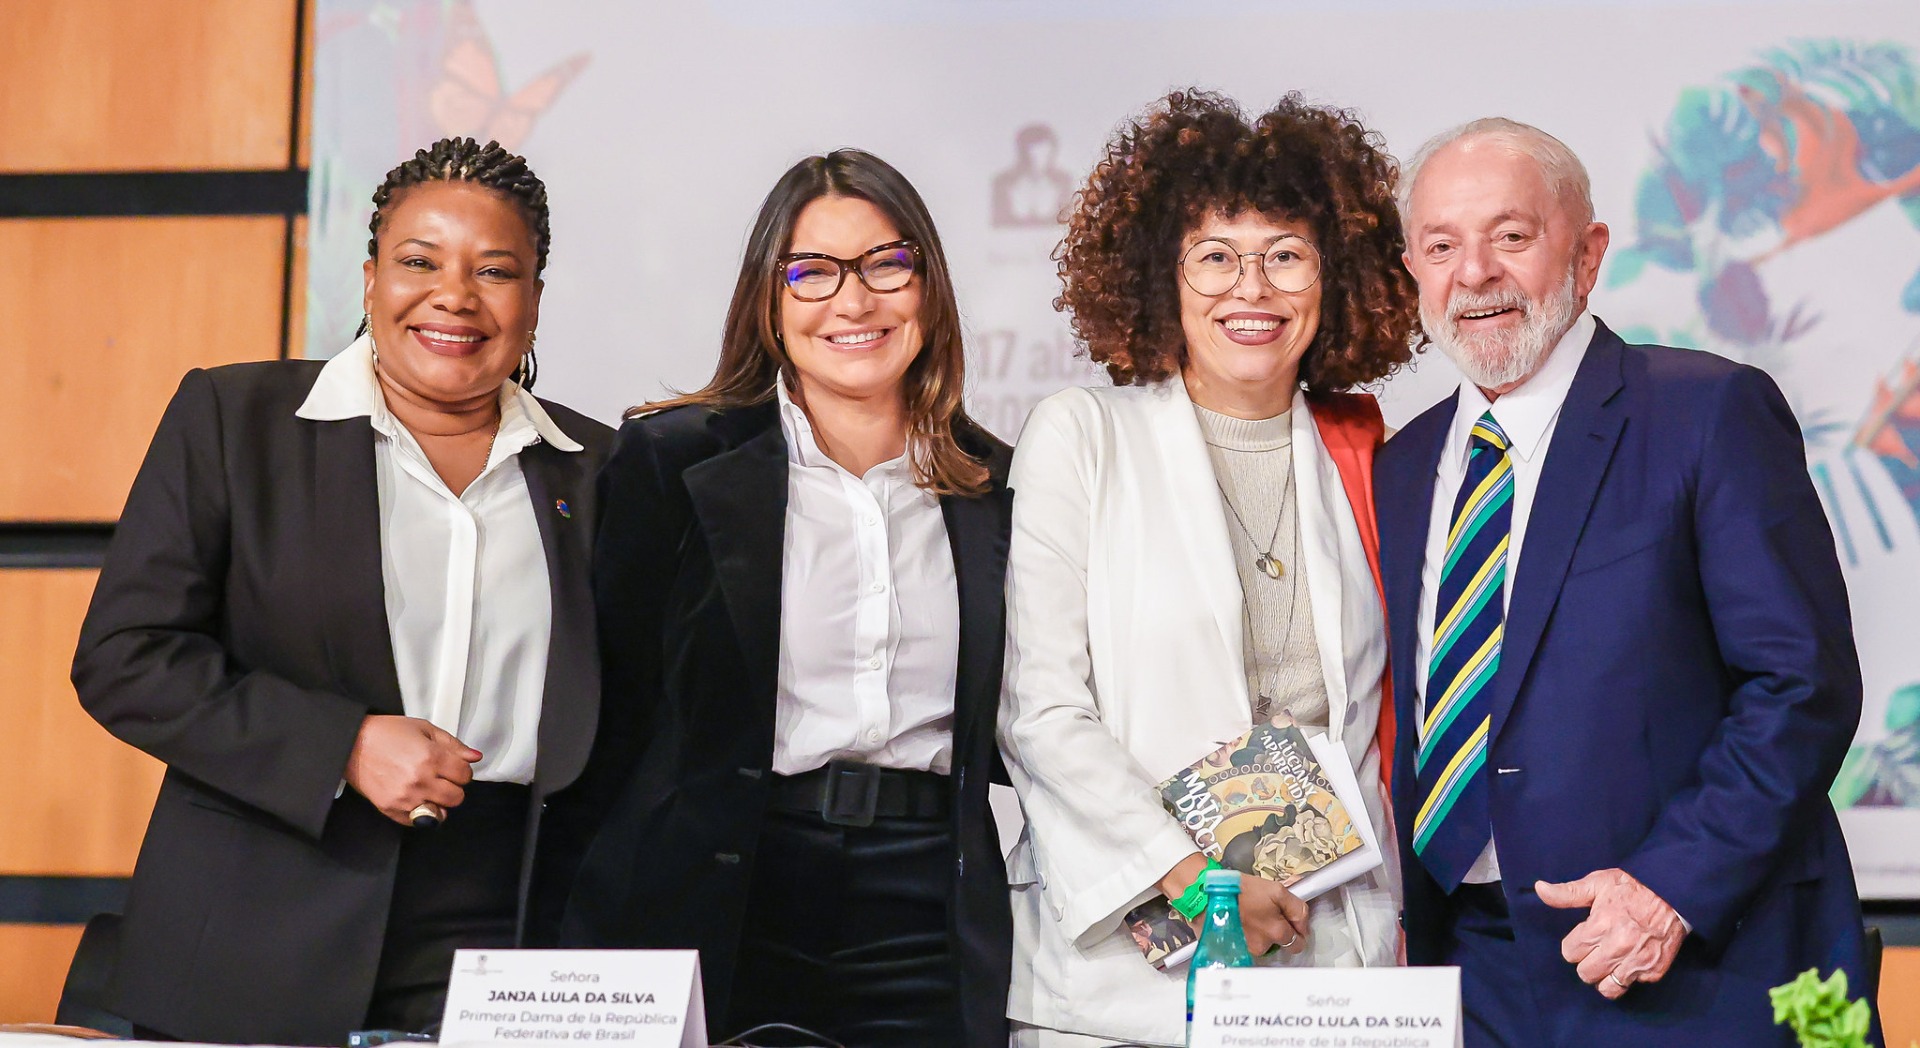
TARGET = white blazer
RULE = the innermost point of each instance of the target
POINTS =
(1126, 663)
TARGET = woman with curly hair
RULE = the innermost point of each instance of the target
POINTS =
(1193, 548)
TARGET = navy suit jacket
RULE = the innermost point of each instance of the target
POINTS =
(1676, 689)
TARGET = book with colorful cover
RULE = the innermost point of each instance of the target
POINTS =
(1273, 803)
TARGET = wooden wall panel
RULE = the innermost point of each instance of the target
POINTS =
(126, 85)
(297, 300)
(303, 143)
(77, 798)
(1900, 995)
(99, 318)
(33, 965)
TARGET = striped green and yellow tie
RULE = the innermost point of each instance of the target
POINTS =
(1452, 827)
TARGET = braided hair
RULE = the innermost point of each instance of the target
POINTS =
(464, 160)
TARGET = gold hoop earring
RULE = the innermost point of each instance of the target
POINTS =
(529, 368)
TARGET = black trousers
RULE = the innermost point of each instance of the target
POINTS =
(846, 934)
(457, 888)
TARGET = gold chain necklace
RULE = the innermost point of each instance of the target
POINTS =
(1266, 563)
(1272, 567)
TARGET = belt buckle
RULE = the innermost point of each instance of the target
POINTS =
(853, 793)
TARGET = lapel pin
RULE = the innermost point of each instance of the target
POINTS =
(565, 510)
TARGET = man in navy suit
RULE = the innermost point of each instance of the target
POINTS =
(1623, 659)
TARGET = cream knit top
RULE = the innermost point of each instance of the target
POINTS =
(1252, 460)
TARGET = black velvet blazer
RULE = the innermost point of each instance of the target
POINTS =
(663, 827)
(239, 634)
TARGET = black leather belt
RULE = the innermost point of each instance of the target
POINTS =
(848, 793)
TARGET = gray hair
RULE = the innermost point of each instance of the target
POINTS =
(1566, 176)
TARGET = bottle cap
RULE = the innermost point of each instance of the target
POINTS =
(1221, 881)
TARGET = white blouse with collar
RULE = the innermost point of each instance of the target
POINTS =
(468, 601)
(869, 615)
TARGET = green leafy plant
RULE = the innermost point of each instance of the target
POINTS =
(1819, 1012)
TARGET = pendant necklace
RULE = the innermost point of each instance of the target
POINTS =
(1268, 683)
(1269, 564)
(1265, 562)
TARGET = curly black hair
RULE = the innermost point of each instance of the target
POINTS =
(1195, 153)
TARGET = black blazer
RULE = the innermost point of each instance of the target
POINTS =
(239, 634)
(687, 579)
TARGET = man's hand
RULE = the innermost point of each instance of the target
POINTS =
(1630, 936)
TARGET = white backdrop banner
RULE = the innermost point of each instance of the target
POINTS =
(1759, 164)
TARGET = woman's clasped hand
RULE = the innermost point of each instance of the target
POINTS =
(400, 763)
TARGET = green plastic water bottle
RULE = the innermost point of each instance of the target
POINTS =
(1222, 942)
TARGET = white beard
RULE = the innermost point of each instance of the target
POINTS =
(1493, 359)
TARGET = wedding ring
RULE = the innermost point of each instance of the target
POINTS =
(1291, 939)
(425, 816)
(1614, 978)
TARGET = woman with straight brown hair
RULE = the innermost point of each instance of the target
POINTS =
(799, 579)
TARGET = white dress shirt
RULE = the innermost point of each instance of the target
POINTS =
(1527, 415)
(469, 607)
(869, 615)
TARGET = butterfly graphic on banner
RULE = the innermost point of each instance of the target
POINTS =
(469, 97)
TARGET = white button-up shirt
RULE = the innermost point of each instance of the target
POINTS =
(469, 607)
(869, 615)
(1527, 415)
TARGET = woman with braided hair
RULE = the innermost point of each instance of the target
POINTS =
(348, 606)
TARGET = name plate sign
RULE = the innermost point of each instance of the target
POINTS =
(621, 998)
(1326, 1008)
